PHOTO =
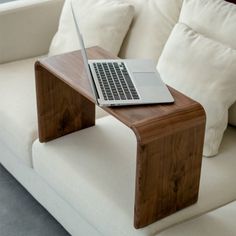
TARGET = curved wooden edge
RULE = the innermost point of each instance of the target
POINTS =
(169, 157)
(158, 127)
(61, 109)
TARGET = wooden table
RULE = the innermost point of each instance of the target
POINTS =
(169, 137)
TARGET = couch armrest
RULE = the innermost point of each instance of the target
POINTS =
(27, 28)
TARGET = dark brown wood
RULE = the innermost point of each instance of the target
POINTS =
(61, 109)
(169, 136)
(232, 1)
(168, 166)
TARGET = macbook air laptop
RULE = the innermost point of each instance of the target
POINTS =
(123, 82)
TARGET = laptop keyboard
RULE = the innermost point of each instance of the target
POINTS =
(115, 82)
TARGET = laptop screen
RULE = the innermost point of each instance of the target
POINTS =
(84, 53)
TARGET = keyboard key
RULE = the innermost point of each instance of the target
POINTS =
(115, 81)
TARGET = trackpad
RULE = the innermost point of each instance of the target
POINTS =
(149, 79)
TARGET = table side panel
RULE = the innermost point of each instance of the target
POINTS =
(168, 168)
(61, 109)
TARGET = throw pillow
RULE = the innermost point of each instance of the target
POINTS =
(215, 19)
(102, 22)
(204, 70)
(152, 25)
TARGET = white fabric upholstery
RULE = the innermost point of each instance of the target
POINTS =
(18, 127)
(204, 70)
(94, 170)
(152, 25)
(92, 176)
(27, 28)
(214, 19)
(67, 216)
(102, 22)
(18, 117)
(218, 223)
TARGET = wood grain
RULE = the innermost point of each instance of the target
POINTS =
(61, 110)
(168, 167)
(232, 1)
(169, 136)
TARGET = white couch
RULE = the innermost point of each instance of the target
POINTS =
(85, 179)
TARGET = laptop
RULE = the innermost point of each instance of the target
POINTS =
(123, 82)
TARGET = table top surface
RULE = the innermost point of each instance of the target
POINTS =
(70, 69)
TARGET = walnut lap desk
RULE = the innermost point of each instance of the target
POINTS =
(169, 137)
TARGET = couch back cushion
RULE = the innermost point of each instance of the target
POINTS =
(215, 19)
(102, 22)
(151, 27)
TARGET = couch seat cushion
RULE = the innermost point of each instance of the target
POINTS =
(219, 222)
(94, 170)
(18, 116)
(18, 127)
